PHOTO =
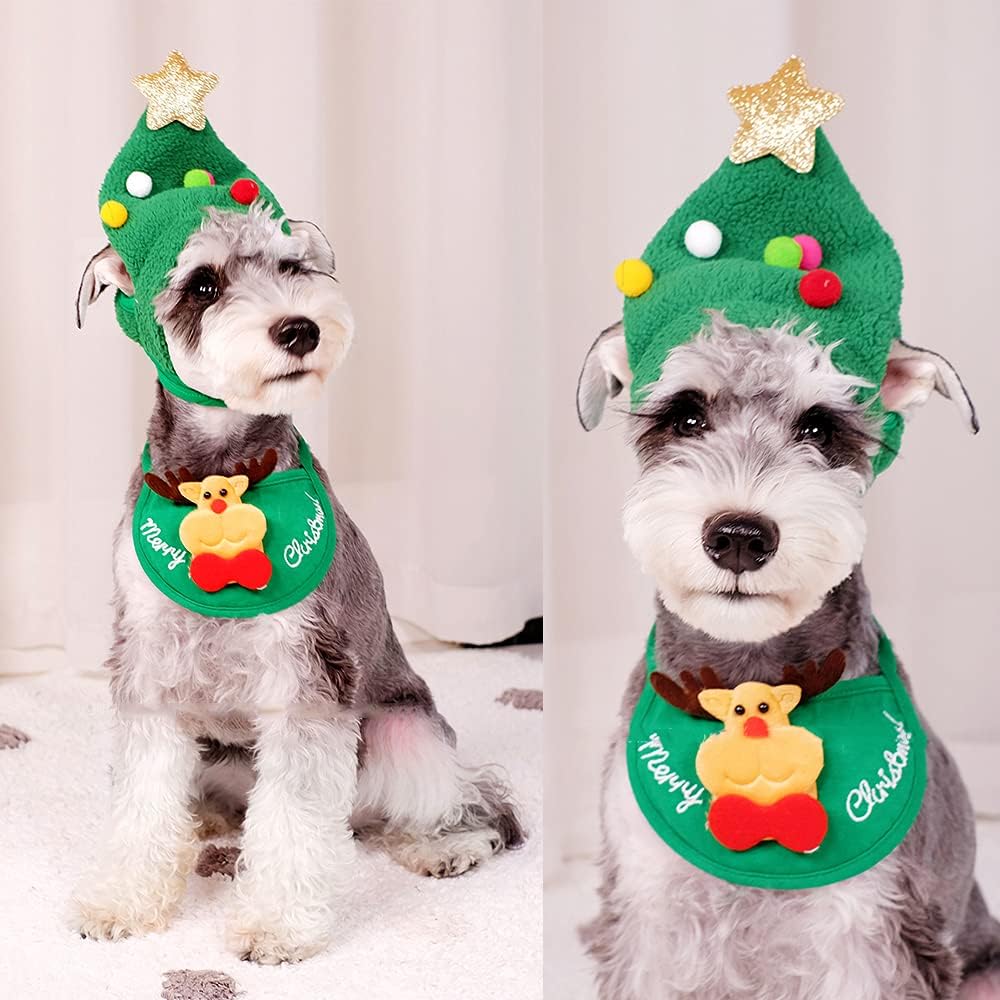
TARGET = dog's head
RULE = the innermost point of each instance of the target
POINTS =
(252, 315)
(755, 456)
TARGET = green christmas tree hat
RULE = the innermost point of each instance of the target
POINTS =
(778, 233)
(172, 168)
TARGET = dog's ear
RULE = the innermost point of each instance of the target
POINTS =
(913, 374)
(318, 249)
(105, 268)
(604, 375)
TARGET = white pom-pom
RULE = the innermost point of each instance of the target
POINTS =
(703, 238)
(138, 184)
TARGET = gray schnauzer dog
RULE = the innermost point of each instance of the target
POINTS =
(759, 427)
(307, 727)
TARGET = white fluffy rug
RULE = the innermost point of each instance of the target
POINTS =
(400, 936)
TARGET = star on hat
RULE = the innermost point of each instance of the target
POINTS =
(779, 117)
(176, 93)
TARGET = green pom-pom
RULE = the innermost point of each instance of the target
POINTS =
(198, 178)
(783, 251)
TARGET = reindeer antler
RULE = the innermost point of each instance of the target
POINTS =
(815, 680)
(169, 488)
(256, 471)
(685, 695)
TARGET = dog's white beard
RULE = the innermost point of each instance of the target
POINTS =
(236, 359)
(822, 536)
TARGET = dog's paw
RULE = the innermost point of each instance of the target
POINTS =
(255, 940)
(213, 823)
(114, 908)
(448, 855)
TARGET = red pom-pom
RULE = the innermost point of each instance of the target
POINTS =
(820, 288)
(244, 190)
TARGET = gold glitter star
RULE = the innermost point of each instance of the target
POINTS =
(176, 93)
(780, 116)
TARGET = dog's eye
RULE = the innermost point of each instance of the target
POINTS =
(290, 266)
(203, 286)
(763, 708)
(687, 415)
(816, 426)
(739, 710)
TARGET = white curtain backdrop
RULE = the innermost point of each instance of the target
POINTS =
(635, 118)
(411, 133)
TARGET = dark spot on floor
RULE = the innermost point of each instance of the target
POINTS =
(198, 984)
(215, 860)
(11, 738)
(522, 698)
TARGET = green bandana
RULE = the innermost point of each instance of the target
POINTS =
(871, 786)
(300, 542)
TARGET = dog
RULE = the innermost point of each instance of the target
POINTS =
(306, 727)
(757, 427)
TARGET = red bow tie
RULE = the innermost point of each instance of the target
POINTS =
(250, 569)
(797, 822)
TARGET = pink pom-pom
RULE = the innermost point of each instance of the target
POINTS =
(812, 252)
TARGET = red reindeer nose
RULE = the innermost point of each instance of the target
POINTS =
(220, 505)
(755, 727)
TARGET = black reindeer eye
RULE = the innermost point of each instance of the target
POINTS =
(203, 286)
(763, 708)
(223, 492)
(739, 710)
(816, 426)
(207, 495)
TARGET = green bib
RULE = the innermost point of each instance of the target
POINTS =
(300, 542)
(871, 786)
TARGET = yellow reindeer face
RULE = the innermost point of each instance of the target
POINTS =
(751, 708)
(216, 493)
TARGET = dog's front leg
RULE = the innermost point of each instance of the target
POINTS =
(151, 844)
(298, 847)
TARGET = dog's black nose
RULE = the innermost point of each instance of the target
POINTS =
(296, 334)
(740, 543)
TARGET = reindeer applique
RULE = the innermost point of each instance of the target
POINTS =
(761, 770)
(224, 535)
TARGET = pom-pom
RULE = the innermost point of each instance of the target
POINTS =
(114, 214)
(244, 190)
(633, 277)
(197, 177)
(812, 252)
(820, 288)
(783, 251)
(703, 239)
(139, 184)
